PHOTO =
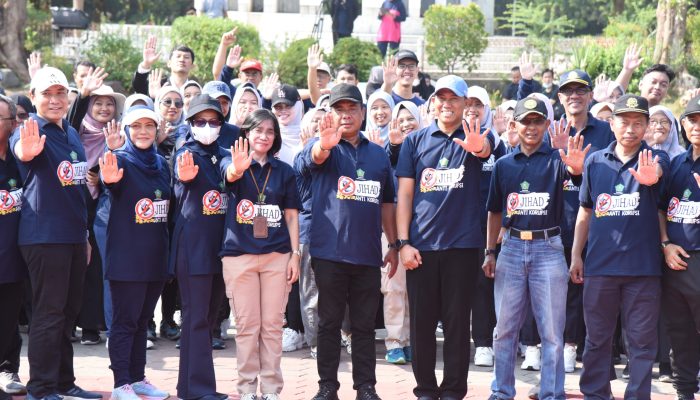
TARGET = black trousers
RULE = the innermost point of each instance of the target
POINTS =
(169, 302)
(57, 272)
(358, 286)
(441, 289)
(680, 301)
(483, 309)
(91, 315)
(293, 312)
(11, 298)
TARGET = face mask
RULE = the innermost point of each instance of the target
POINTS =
(547, 85)
(205, 135)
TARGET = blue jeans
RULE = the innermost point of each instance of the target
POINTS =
(530, 272)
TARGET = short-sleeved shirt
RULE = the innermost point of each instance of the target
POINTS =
(12, 267)
(623, 235)
(415, 99)
(280, 194)
(137, 230)
(485, 181)
(349, 189)
(303, 177)
(54, 209)
(681, 202)
(446, 199)
(527, 190)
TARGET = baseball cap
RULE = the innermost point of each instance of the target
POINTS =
(529, 106)
(216, 89)
(404, 54)
(325, 68)
(576, 76)
(344, 91)
(47, 77)
(286, 94)
(135, 113)
(251, 64)
(201, 103)
(693, 107)
(454, 83)
(631, 103)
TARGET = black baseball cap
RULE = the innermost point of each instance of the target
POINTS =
(693, 107)
(631, 103)
(344, 91)
(201, 103)
(286, 94)
(403, 54)
(576, 76)
(527, 106)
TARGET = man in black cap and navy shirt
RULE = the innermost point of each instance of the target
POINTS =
(526, 202)
(353, 202)
(618, 216)
(400, 71)
(679, 217)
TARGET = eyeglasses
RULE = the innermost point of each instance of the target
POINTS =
(7, 119)
(201, 123)
(662, 122)
(22, 116)
(170, 102)
(579, 91)
(410, 67)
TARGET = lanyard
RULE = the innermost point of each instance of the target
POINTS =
(261, 193)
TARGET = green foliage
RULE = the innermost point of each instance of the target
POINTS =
(117, 56)
(292, 63)
(160, 12)
(203, 34)
(349, 50)
(692, 34)
(454, 35)
(270, 55)
(38, 29)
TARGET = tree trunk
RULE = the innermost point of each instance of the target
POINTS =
(13, 17)
(618, 7)
(670, 33)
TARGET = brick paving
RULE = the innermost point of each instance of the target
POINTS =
(394, 382)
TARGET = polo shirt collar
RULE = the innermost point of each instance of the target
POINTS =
(433, 129)
(42, 122)
(591, 122)
(609, 151)
(274, 162)
(689, 155)
(544, 149)
(362, 141)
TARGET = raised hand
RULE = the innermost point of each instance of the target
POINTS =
(30, 143)
(600, 79)
(93, 81)
(111, 173)
(390, 67)
(34, 63)
(186, 168)
(559, 133)
(395, 135)
(374, 136)
(314, 57)
(632, 59)
(527, 68)
(233, 60)
(575, 154)
(150, 54)
(229, 38)
(240, 158)
(306, 134)
(474, 141)
(113, 135)
(269, 85)
(154, 82)
(499, 121)
(329, 136)
(646, 173)
(425, 118)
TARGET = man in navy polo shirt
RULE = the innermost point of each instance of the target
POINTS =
(619, 219)
(400, 71)
(353, 201)
(679, 218)
(526, 202)
(439, 232)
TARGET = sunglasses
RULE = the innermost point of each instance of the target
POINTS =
(170, 102)
(201, 123)
(22, 116)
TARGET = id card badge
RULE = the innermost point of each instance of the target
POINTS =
(260, 227)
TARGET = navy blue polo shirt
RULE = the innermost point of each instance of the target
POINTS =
(137, 230)
(414, 99)
(681, 202)
(599, 135)
(623, 236)
(54, 209)
(200, 211)
(349, 189)
(228, 134)
(280, 194)
(527, 190)
(485, 180)
(303, 177)
(446, 200)
(12, 267)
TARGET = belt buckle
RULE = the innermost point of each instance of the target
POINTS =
(526, 235)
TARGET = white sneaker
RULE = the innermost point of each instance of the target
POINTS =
(149, 344)
(225, 325)
(569, 358)
(532, 359)
(11, 384)
(249, 396)
(291, 340)
(147, 390)
(314, 352)
(125, 392)
(270, 396)
(107, 343)
(521, 350)
(483, 357)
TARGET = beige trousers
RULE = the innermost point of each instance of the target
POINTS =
(396, 317)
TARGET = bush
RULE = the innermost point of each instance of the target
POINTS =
(454, 35)
(117, 56)
(203, 34)
(349, 50)
(38, 29)
(692, 35)
(292, 63)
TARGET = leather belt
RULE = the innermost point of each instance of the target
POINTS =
(532, 235)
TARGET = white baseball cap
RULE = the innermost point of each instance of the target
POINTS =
(47, 77)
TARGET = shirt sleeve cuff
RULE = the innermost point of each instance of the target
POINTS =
(142, 70)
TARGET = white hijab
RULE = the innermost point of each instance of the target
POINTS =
(291, 140)
(379, 95)
(671, 145)
(235, 117)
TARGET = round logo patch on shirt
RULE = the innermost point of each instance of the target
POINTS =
(428, 178)
(673, 207)
(6, 201)
(245, 210)
(346, 186)
(65, 172)
(213, 202)
(603, 202)
(512, 202)
(145, 209)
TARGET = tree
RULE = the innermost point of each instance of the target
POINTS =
(350, 50)
(454, 35)
(671, 18)
(13, 14)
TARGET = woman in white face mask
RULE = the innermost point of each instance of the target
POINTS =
(194, 258)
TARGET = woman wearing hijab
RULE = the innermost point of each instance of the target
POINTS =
(168, 105)
(379, 107)
(194, 258)
(138, 180)
(245, 101)
(662, 133)
(375, 81)
(602, 111)
(24, 107)
(260, 253)
(188, 91)
(289, 109)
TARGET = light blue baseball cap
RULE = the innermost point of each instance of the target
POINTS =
(216, 89)
(454, 83)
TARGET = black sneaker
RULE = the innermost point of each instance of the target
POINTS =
(367, 393)
(626, 371)
(217, 344)
(685, 396)
(77, 393)
(151, 331)
(90, 337)
(665, 373)
(326, 392)
(169, 331)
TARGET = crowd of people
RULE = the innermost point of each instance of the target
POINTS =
(321, 213)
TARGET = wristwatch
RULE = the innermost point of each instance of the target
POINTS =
(401, 242)
(665, 243)
(488, 252)
(297, 252)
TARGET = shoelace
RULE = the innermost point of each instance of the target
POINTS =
(368, 394)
